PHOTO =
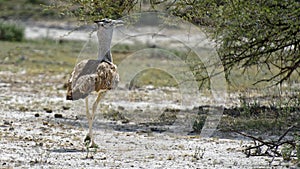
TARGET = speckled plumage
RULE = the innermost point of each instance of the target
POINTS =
(91, 75)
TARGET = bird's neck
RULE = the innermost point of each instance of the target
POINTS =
(104, 39)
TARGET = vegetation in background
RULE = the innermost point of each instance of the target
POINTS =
(271, 117)
(39, 56)
(248, 33)
(88, 11)
(150, 77)
(27, 10)
(11, 31)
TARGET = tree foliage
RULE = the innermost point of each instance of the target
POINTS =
(252, 33)
(247, 33)
(91, 10)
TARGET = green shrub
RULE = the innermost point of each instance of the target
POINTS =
(11, 31)
(199, 123)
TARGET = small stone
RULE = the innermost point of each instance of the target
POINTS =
(6, 122)
(121, 108)
(36, 115)
(58, 116)
(103, 158)
(23, 109)
(48, 110)
(65, 107)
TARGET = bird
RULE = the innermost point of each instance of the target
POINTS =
(98, 75)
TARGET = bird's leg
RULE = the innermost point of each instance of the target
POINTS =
(95, 105)
(88, 115)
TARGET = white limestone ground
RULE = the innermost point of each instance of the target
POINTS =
(45, 142)
(34, 135)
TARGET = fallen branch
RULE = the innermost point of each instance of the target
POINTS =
(268, 148)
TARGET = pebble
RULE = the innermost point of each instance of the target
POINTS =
(6, 122)
(65, 107)
(121, 108)
(58, 116)
(23, 109)
(103, 158)
(48, 110)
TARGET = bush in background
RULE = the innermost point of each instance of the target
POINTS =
(11, 31)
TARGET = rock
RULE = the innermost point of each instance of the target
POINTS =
(158, 129)
(6, 122)
(103, 158)
(121, 108)
(48, 110)
(36, 115)
(58, 115)
(65, 107)
(23, 109)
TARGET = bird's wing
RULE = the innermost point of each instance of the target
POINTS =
(85, 84)
(75, 87)
(90, 75)
(84, 67)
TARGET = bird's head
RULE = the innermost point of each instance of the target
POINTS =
(108, 23)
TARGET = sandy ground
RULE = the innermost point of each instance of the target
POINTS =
(40, 129)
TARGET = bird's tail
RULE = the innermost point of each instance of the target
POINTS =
(75, 95)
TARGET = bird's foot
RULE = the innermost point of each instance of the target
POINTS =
(89, 143)
(87, 140)
(91, 147)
